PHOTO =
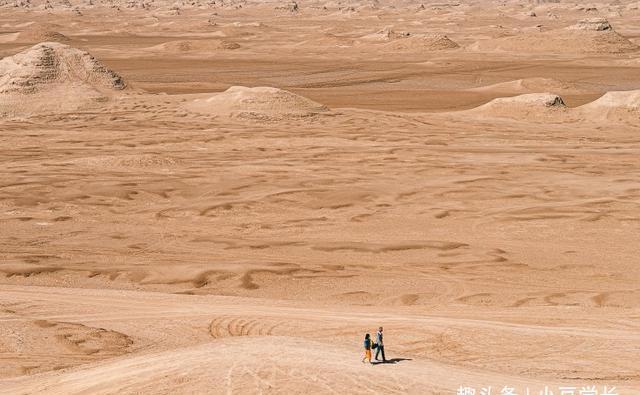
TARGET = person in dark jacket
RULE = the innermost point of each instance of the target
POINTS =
(367, 348)
(380, 342)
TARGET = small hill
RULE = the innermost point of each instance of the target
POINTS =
(385, 35)
(37, 33)
(394, 41)
(592, 24)
(590, 36)
(257, 103)
(527, 106)
(54, 77)
(422, 43)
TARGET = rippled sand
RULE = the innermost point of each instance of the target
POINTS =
(179, 237)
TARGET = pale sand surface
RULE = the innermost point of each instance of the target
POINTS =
(208, 198)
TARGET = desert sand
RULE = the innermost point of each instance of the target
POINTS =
(224, 196)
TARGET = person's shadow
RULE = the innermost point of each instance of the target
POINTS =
(391, 361)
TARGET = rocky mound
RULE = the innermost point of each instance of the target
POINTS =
(592, 24)
(257, 103)
(386, 34)
(422, 43)
(37, 33)
(588, 36)
(530, 99)
(522, 106)
(53, 77)
(179, 46)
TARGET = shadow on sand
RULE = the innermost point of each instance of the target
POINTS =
(390, 361)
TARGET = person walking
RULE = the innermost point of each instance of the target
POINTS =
(367, 348)
(380, 342)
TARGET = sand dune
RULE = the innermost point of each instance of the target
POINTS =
(529, 106)
(622, 105)
(276, 179)
(624, 100)
(232, 345)
(257, 103)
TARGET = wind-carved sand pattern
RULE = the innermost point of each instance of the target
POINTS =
(224, 197)
(226, 326)
(66, 345)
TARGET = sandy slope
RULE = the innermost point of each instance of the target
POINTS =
(217, 345)
(275, 181)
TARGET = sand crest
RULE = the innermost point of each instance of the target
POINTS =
(619, 105)
(526, 85)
